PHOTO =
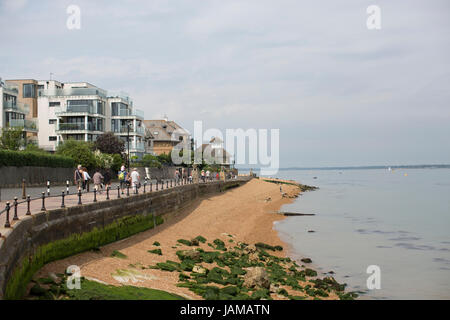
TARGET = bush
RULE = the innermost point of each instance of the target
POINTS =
(80, 151)
(34, 159)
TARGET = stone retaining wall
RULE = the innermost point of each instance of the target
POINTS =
(21, 241)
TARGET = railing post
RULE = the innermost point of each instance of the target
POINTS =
(24, 192)
(95, 193)
(162, 184)
(48, 188)
(15, 209)
(67, 187)
(79, 196)
(145, 183)
(107, 193)
(62, 200)
(167, 184)
(171, 184)
(28, 205)
(118, 192)
(151, 186)
(156, 185)
(7, 225)
(128, 190)
(43, 201)
(137, 189)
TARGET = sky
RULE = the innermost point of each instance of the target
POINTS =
(340, 94)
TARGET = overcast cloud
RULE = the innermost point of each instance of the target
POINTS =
(339, 93)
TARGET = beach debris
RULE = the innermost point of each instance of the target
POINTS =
(268, 199)
(296, 214)
(268, 246)
(198, 269)
(311, 231)
(274, 288)
(256, 277)
(306, 260)
(126, 275)
(156, 243)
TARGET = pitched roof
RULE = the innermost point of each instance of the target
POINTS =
(161, 130)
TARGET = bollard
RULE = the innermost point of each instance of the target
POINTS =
(79, 196)
(62, 200)
(15, 209)
(151, 186)
(24, 192)
(118, 192)
(171, 184)
(156, 185)
(43, 201)
(95, 194)
(107, 193)
(162, 184)
(128, 190)
(48, 188)
(167, 184)
(67, 187)
(7, 225)
(145, 183)
(28, 205)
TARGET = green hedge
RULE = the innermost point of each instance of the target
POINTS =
(34, 159)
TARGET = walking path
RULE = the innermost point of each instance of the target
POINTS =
(70, 200)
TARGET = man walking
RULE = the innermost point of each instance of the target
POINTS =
(98, 178)
(135, 179)
(78, 177)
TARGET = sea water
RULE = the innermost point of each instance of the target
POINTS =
(397, 220)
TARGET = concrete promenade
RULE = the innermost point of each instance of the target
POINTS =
(55, 199)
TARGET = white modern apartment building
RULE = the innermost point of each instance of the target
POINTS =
(14, 113)
(82, 111)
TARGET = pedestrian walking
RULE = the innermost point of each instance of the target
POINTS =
(86, 179)
(135, 179)
(78, 178)
(123, 177)
(98, 179)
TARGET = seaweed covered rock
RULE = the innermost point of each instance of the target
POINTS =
(256, 277)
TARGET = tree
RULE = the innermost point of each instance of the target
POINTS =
(165, 159)
(12, 138)
(80, 151)
(149, 160)
(109, 143)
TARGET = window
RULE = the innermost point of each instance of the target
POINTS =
(54, 104)
(52, 138)
(51, 121)
(29, 90)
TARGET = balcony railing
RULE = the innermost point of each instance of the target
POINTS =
(16, 107)
(124, 129)
(128, 113)
(24, 123)
(78, 126)
(72, 92)
(135, 146)
(10, 87)
(79, 109)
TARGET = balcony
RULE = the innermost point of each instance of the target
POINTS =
(14, 89)
(72, 92)
(16, 107)
(124, 130)
(27, 125)
(129, 113)
(135, 147)
(84, 109)
(78, 127)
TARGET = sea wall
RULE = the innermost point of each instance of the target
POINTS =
(22, 245)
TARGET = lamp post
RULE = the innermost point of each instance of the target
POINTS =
(128, 145)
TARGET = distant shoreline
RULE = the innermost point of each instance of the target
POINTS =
(420, 166)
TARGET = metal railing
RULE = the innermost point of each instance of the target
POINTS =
(24, 123)
(16, 107)
(72, 92)
(120, 191)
